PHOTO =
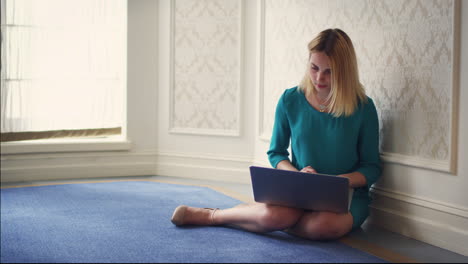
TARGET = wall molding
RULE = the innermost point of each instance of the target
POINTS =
(456, 44)
(420, 201)
(440, 224)
(71, 165)
(205, 132)
(261, 68)
(438, 165)
(67, 145)
(65, 166)
(240, 56)
(450, 164)
(204, 166)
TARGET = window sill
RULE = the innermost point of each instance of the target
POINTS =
(66, 145)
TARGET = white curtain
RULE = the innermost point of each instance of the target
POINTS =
(63, 64)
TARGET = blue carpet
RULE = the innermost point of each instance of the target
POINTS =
(130, 222)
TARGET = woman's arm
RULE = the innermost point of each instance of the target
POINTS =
(368, 148)
(280, 137)
(286, 165)
(356, 179)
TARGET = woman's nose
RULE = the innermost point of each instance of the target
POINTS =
(319, 76)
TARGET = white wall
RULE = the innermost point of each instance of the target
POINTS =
(424, 204)
(142, 96)
(200, 155)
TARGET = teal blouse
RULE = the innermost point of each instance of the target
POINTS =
(331, 145)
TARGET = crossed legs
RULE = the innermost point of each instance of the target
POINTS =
(261, 218)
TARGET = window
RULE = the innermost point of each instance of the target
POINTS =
(63, 68)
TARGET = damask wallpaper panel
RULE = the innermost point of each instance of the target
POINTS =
(206, 65)
(407, 63)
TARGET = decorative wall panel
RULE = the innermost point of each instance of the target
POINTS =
(406, 60)
(206, 65)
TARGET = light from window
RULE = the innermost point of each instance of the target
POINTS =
(63, 66)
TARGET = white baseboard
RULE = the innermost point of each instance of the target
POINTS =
(441, 225)
(65, 166)
(205, 167)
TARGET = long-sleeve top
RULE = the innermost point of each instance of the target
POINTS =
(331, 145)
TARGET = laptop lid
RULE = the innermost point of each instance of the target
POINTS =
(311, 191)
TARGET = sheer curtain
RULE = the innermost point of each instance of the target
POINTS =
(63, 68)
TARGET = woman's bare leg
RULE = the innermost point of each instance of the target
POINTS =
(258, 217)
(322, 225)
(255, 217)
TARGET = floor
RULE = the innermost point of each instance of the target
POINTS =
(375, 240)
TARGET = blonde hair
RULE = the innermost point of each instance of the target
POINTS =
(346, 90)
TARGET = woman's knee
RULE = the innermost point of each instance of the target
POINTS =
(274, 217)
(326, 226)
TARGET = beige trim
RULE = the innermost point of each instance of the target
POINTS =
(48, 149)
(17, 136)
(66, 182)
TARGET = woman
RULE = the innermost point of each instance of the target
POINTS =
(333, 129)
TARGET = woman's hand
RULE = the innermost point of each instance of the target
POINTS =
(308, 169)
(356, 179)
(286, 165)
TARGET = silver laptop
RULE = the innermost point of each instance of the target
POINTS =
(310, 191)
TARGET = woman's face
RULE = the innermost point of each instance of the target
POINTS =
(320, 72)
